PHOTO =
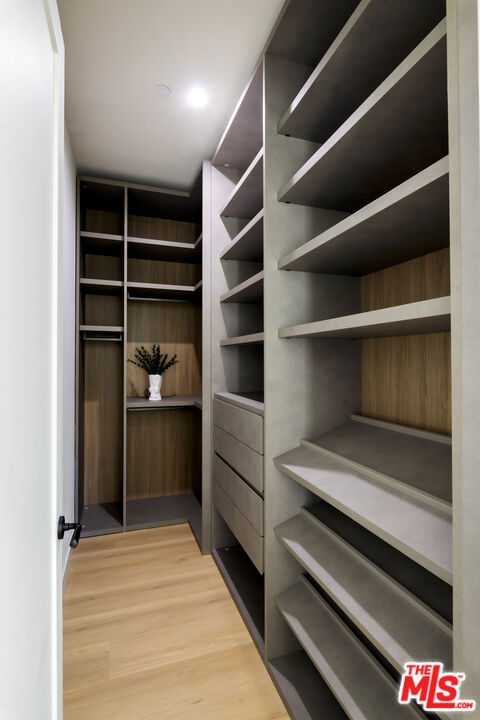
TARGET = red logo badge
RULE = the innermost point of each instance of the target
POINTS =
(431, 687)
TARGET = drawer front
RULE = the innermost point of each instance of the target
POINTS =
(247, 462)
(244, 425)
(245, 533)
(246, 499)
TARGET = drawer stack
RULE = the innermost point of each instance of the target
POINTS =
(238, 474)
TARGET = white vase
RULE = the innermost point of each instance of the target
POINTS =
(155, 385)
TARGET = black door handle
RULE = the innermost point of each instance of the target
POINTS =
(64, 527)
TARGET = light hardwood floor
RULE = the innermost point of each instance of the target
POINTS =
(151, 633)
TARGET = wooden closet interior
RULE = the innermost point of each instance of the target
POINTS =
(139, 261)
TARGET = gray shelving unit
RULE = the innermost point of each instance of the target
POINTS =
(346, 359)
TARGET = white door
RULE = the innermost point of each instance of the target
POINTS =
(31, 155)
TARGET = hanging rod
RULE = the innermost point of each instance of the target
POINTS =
(154, 299)
(97, 338)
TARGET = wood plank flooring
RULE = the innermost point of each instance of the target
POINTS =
(151, 633)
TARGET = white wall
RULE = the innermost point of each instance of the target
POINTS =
(67, 305)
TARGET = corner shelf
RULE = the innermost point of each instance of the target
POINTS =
(101, 287)
(416, 318)
(248, 243)
(246, 199)
(174, 401)
(400, 626)
(418, 530)
(361, 685)
(252, 401)
(348, 171)
(168, 251)
(249, 291)
(166, 510)
(101, 519)
(252, 339)
(159, 291)
(101, 243)
(330, 94)
(409, 221)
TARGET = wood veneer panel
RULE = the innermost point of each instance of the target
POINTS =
(102, 423)
(407, 380)
(422, 278)
(154, 228)
(103, 267)
(103, 222)
(177, 328)
(103, 310)
(158, 271)
(161, 453)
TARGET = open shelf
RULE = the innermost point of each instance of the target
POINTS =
(101, 287)
(249, 291)
(101, 243)
(415, 461)
(246, 586)
(304, 692)
(243, 135)
(248, 243)
(246, 199)
(102, 519)
(400, 626)
(175, 401)
(146, 249)
(417, 529)
(360, 684)
(376, 38)
(159, 291)
(252, 339)
(167, 510)
(373, 152)
(408, 221)
(103, 329)
(252, 401)
(416, 318)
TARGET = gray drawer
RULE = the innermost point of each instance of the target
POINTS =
(246, 499)
(247, 462)
(244, 425)
(245, 533)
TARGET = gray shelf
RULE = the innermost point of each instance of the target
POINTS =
(174, 401)
(246, 199)
(398, 624)
(304, 692)
(102, 519)
(147, 249)
(101, 243)
(418, 318)
(415, 462)
(249, 291)
(408, 221)
(101, 287)
(248, 243)
(243, 136)
(102, 329)
(168, 510)
(372, 151)
(415, 528)
(158, 291)
(362, 687)
(252, 401)
(376, 38)
(252, 339)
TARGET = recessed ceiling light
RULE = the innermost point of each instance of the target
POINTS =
(163, 90)
(197, 97)
(227, 165)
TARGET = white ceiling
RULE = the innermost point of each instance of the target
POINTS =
(117, 52)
